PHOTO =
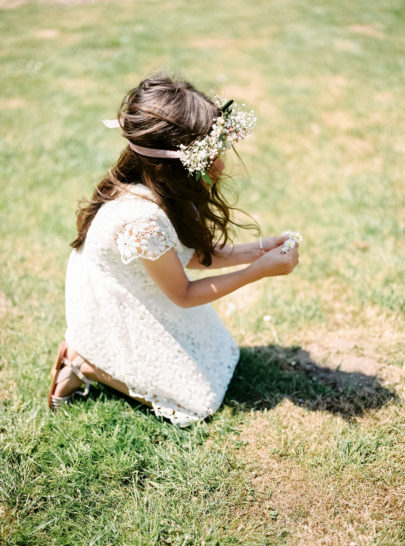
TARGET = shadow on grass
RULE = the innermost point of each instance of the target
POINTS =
(265, 376)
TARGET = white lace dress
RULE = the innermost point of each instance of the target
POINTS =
(181, 360)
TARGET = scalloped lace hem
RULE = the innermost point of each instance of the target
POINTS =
(170, 410)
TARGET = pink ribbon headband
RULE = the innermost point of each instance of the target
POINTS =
(148, 152)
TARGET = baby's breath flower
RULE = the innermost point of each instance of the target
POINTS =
(233, 125)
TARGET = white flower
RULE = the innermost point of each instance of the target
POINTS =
(293, 238)
(232, 126)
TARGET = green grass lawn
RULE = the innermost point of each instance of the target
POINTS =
(308, 445)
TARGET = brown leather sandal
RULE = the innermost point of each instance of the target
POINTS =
(62, 370)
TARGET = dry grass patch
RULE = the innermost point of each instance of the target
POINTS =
(385, 97)
(353, 369)
(354, 167)
(373, 334)
(47, 34)
(314, 503)
(6, 306)
(12, 4)
(250, 42)
(8, 388)
(252, 86)
(12, 103)
(355, 358)
(347, 45)
(357, 147)
(338, 119)
(335, 84)
(78, 86)
(374, 31)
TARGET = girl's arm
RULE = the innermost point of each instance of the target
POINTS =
(238, 254)
(168, 273)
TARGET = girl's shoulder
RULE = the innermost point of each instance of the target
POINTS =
(137, 209)
(136, 202)
(137, 191)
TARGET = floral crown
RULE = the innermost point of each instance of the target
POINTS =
(232, 124)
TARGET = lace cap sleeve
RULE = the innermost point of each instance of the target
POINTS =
(143, 238)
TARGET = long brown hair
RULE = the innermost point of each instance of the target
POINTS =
(163, 113)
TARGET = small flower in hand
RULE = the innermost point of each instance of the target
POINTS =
(293, 238)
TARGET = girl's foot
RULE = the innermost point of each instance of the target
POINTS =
(67, 377)
(71, 383)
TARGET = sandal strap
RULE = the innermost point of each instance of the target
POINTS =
(57, 401)
(75, 367)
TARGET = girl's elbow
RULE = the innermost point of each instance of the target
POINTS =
(182, 299)
(184, 305)
(183, 302)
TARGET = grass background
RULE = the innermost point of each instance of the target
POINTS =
(307, 447)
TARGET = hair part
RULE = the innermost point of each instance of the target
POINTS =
(163, 113)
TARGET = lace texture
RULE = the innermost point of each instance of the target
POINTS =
(181, 360)
(145, 238)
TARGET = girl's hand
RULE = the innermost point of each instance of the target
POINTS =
(272, 242)
(274, 263)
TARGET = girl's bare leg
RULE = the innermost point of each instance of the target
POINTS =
(94, 374)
